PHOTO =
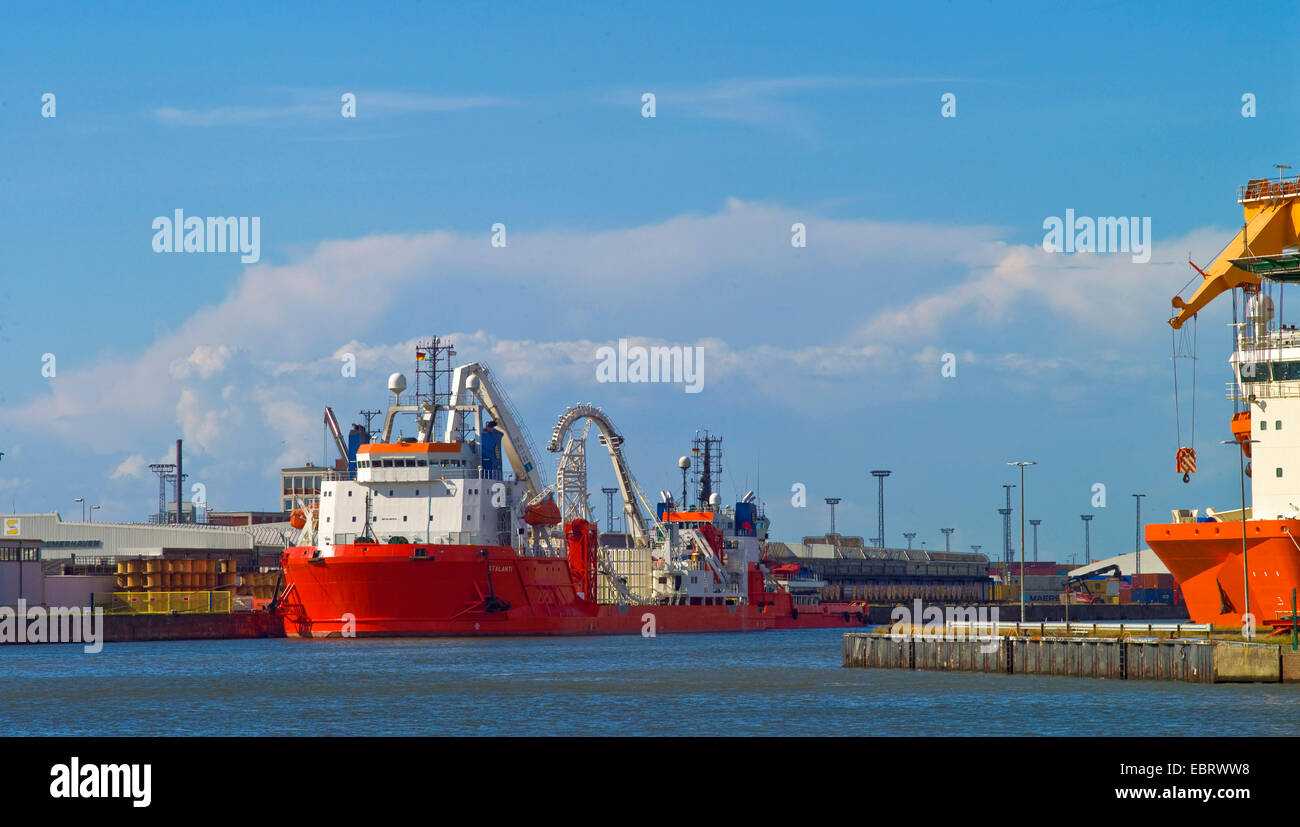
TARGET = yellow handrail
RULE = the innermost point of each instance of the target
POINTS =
(197, 602)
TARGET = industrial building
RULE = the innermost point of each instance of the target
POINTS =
(60, 539)
(855, 571)
(49, 561)
(1127, 563)
(302, 485)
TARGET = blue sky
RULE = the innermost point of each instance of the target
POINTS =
(821, 362)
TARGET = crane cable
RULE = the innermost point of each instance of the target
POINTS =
(1189, 353)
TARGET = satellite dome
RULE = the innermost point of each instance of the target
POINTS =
(397, 383)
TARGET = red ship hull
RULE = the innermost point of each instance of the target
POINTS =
(392, 590)
(1205, 559)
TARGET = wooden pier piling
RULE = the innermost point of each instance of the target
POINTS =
(1194, 661)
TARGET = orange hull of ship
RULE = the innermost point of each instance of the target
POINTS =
(373, 590)
(1205, 559)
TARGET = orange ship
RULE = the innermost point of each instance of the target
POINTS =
(423, 537)
(1247, 561)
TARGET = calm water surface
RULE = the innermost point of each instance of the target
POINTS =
(772, 683)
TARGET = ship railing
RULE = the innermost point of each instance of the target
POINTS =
(1263, 189)
(1263, 390)
(1270, 340)
(1081, 627)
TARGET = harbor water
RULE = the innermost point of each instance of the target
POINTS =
(771, 683)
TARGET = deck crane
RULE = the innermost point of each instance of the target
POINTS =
(475, 379)
(1266, 245)
(333, 425)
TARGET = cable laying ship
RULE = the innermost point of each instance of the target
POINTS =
(431, 538)
(1247, 560)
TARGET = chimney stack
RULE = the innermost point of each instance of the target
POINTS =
(180, 476)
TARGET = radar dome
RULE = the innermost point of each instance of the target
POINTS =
(715, 499)
(397, 383)
(683, 463)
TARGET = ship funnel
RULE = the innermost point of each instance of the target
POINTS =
(1259, 311)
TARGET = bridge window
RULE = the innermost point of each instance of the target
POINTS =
(1279, 472)
(1263, 424)
(1284, 372)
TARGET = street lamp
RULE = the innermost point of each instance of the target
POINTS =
(910, 535)
(832, 502)
(948, 538)
(82, 500)
(93, 509)
(880, 477)
(1035, 524)
(1245, 570)
(1087, 540)
(1137, 542)
(1022, 535)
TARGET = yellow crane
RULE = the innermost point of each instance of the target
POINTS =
(1266, 246)
(1272, 224)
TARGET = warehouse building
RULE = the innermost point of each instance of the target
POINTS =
(48, 561)
(57, 539)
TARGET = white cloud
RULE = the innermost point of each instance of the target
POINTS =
(204, 361)
(768, 102)
(304, 105)
(130, 468)
(238, 369)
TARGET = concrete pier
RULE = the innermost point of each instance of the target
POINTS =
(1194, 661)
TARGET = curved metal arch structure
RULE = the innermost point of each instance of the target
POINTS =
(609, 437)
